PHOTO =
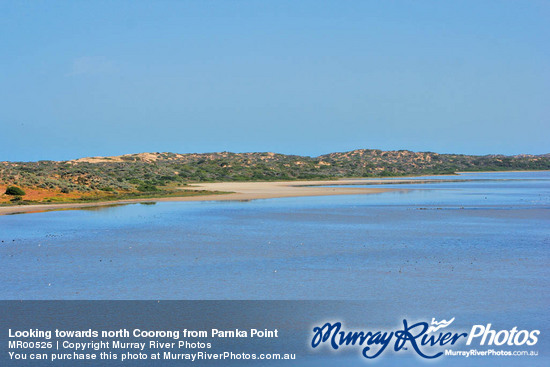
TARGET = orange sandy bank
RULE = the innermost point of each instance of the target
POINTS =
(240, 191)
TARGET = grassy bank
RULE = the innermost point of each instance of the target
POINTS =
(95, 197)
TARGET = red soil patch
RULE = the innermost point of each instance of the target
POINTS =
(38, 194)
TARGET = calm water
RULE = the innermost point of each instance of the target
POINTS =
(481, 239)
(477, 250)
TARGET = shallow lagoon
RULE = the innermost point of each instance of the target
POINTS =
(488, 233)
(476, 250)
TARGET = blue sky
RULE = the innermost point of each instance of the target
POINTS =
(87, 78)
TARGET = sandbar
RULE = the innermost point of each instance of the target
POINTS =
(239, 191)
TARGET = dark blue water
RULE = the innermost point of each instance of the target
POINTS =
(476, 249)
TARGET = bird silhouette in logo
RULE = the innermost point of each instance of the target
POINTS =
(439, 325)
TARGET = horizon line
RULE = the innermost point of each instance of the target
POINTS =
(271, 152)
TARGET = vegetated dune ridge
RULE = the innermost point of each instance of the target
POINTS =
(167, 175)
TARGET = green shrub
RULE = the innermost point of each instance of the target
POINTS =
(14, 190)
(147, 188)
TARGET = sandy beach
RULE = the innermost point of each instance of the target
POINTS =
(240, 191)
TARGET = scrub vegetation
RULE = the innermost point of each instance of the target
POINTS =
(163, 174)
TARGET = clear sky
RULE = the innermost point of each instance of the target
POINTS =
(87, 78)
